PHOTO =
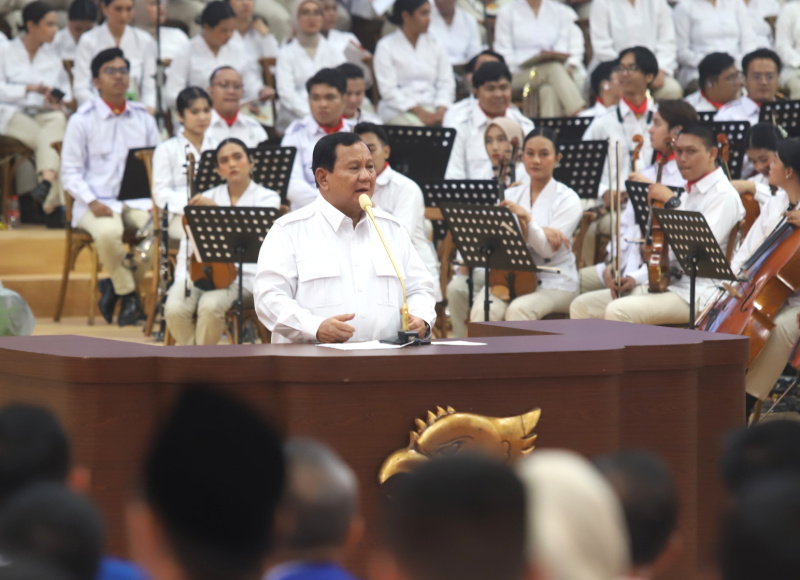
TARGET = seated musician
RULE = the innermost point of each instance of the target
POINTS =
(193, 107)
(461, 109)
(708, 192)
(761, 143)
(357, 109)
(604, 82)
(719, 83)
(762, 71)
(784, 174)
(668, 121)
(209, 306)
(492, 89)
(548, 212)
(226, 89)
(93, 158)
(326, 100)
(323, 273)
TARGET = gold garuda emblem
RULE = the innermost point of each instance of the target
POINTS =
(448, 432)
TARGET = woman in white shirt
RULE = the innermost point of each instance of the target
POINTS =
(456, 30)
(193, 107)
(209, 306)
(30, 70)
(527, 29)
(548, 213)
(299, 59)
(787, 45)
(139, 48)
(412, 69)
(761, 146)
(81, 17)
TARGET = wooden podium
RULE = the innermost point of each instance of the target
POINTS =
(601, 386)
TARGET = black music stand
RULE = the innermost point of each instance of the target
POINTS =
(581, 166)
(488, 237)
(567, 128)
(135, 183)
(736, 131)
(706, 116)
(272, 168)
(783, 113)
(230, 235)
(697, 250)
(420, 153)
(637, 194)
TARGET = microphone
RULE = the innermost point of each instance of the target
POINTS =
(366, 204)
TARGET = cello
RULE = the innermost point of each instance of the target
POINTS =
(657, 249)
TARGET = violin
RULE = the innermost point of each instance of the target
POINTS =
(638, 141)
(723, 156)
(657, 249)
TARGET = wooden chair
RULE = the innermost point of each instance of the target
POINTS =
(68, 64)
(12, 154)
(580, 236)
(249, 316)
(375, 93)
(146, 156)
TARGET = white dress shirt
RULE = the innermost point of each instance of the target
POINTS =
(557, 207)
(468, 159)
(700, 103)
(595, 110)
(617, 24)
(140, 50)
(17, 71)
(461, 38)
(64, 44)
(399, 196)
(172, 42)
(742, 109)
(520, 34)
(258, 45)
(763, 190)
(759, 10)
(94, 152)
(340, 40)
(169, 171)
(410, 76)
(254, 196)
(702, 28)
(304, 134)
(787, 35)
(314, 264)
(244, 128)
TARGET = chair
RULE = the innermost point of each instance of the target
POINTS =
(267, 64)
(68, 64)
(12, 153)
(580, 236)
(376, 96)
(146, 156)
(249, 316)
(446, 251)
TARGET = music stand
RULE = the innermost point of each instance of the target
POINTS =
(783, 113)
(488, 237)
(637, 194)
(230, 235)
(735, 130)
(471, 191)
(272, 168)
(697, 250)
(420, 153)
(581, 166)
(706, 116)
(566, 128)
(135, 183)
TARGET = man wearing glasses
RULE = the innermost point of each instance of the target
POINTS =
(93, 156)
(720, 83)
(226, 90)
(762, 71)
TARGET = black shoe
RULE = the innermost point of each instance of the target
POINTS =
(108, 299)
(129, 310)
(40, 192)
(56, 219)
(30, 212)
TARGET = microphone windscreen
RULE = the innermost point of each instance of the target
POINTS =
(364, 201)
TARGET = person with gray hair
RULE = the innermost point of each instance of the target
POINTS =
(318, 517)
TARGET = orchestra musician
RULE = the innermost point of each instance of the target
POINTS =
(604, 82)
(93, 158)
(548, 212)
(761, 145)
(719, 83)
(234, 164)
(226, 89)
(762, 71)
(323, 273)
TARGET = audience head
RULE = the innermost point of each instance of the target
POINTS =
(720, 80)
(637, 67)
(234, 161)
(307, 18)
(446, 7)
(83, 11)
(211, 481)
(243, 8)
(156, 10)
(604, 83)
(377, 141)
(540, 154)
(491, 84)
(784, 169)
(326, 91)
(226, 90)
(355, 90)
(194, 110)
(761, 143)
(671, 116)
(344, 170)
(761, 531)
(482, 58)
(649, 498)
(696, 151)
(218, 23)
(576, 528)
(50, 523)
(769, 448)
(111, 73)
(330, 15)
(456, 518)
(501, 138)
(117, 13)
(413, 16)
(39, 21)
(762, 72)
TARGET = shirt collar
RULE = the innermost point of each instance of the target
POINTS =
(332, 215)
(385, 176)
(625, 110)
(705, 183)
(106, 112)
(749, 105)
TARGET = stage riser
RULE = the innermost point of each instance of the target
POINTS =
(36, 251)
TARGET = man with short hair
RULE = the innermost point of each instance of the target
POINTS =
(226, 89)
(356, 108)
(763, 450)
(604, 81)
(460, 110)
(326, 90)
(719, 83)
(762, 72)
(93, 158)
(323, 273)
(492, 89)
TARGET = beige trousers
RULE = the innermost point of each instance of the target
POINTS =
(409, 119)
(671, 89)
(39, 132)
(639, 306)
(210, 307)
(458, 300)
(559, 96)
(533, 306)
(768, 366)
(107, 233)
(588, 280)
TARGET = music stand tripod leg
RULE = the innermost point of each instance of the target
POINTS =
(486, 251)
(692, 282)
(240, 300)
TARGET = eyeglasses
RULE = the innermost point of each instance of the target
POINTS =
(758, 77)
(621, 68)
(229, 86)
(311, 12)
(732, 79)
(111, 71)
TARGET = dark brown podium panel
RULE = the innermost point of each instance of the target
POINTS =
(600, 385)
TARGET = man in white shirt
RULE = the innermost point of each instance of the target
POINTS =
(399, 196)
(357, 108)
(93, 158)
(719, 83)
(460, 110)
(323, 273)
(492, 89)
(326, 100)
(226, 90)
(619, 24)
(456, 30)
(606, 92)
(762, 71)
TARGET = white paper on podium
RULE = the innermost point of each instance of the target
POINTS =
(457, 343)
(368, 345)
